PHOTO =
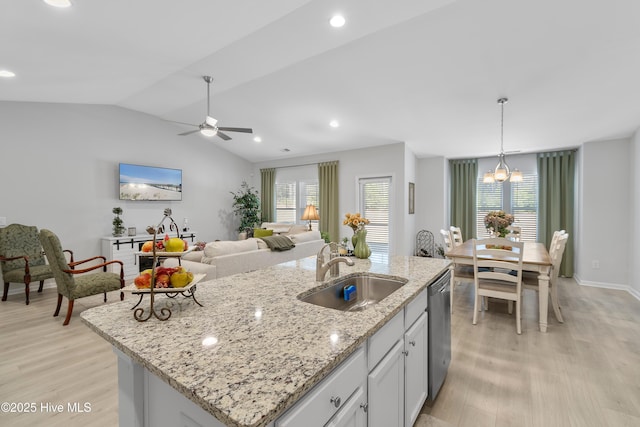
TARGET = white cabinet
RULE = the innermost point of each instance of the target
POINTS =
(416, 369)
(329, 397)
(124, 249)
(385, 386)
(386, 390)
(352, 413)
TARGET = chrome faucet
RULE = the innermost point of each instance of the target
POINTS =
(333, 264)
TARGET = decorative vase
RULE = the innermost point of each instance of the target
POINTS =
(362, 250)
(354, 239)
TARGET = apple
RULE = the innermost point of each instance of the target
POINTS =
(162, 280)
(143, 281)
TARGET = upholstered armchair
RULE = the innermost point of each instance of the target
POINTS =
(22, 259)
(71, 282)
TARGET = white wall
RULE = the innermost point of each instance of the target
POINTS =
(604, 214)
(634, 200)
(59, 170)
(432, 200)
(387, 160)
(409, 235)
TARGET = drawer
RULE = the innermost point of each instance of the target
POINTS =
(415, 308)
(329, 395)
(382, 341)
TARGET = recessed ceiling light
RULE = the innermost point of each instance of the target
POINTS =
(257, 139)
(58, 3)
(334, 123)
(7, 73)
(337, 21)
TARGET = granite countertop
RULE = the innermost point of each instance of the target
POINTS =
(254, 349)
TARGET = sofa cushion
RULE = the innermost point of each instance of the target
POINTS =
(225, 247)
(193, 256)
(261, 232)
(296, 229)
(307, 236)
(278, 243)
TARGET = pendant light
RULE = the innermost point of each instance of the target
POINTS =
(502, 171)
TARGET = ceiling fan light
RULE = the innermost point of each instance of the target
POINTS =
(209, 131)
(211, 121)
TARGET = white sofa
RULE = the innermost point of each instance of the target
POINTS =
(224, 258)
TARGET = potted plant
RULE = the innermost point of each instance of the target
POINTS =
(246, 205)
(118, 228)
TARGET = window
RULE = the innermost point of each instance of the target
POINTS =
(374, 205)
(517, 198)
(295, 189)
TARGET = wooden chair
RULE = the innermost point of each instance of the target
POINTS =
(22, 259)
(530, 279)
(497, 267)
(461, 273)
(456, 236)
(83, 285)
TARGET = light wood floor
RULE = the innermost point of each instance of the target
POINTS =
(585, 372)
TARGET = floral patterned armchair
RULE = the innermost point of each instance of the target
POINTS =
(22, 259)
(83, 285)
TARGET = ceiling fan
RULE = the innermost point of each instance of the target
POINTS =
(209, 126)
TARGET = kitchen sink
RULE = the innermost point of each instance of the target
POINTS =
(361, 290)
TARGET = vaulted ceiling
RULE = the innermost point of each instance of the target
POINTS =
(424, 72)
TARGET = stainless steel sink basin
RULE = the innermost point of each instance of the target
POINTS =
(368, 290)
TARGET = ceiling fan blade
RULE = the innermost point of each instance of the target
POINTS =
(180, 123)
(223, 135)
(245, 130)
(189, 133)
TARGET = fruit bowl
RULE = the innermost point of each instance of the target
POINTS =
(165, 278)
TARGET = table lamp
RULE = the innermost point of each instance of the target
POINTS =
(310, 214)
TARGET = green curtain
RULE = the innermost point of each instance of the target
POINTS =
(329, 209)
(556, 176)
(267, 196)
(464, 176)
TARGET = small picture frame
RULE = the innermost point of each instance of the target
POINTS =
(412, 198)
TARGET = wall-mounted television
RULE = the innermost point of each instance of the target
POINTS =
(149, 183)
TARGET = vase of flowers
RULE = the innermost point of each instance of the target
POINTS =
(496, 223)
(359, 238)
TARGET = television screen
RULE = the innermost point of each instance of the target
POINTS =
(149, 183)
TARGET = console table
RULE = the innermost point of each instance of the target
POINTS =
(125, 248)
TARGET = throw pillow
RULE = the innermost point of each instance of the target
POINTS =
(225, 247)
(278, 243)
(261, 232)
(307, 236)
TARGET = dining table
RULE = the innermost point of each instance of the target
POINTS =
(535, 258)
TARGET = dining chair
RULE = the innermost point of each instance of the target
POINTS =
(461, 273)
(73, 283)
(456, 236)
(22, 259)
(530, 279)
(497, 267)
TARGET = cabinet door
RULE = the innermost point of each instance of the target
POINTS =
(352, 413)
(386, 390)
(416, 369)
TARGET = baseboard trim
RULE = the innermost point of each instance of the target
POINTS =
(632, 291)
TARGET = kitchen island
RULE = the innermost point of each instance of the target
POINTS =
(253, 349)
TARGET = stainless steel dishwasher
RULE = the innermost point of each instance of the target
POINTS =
(439, 332)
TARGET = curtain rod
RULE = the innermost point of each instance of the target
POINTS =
(297, 166)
